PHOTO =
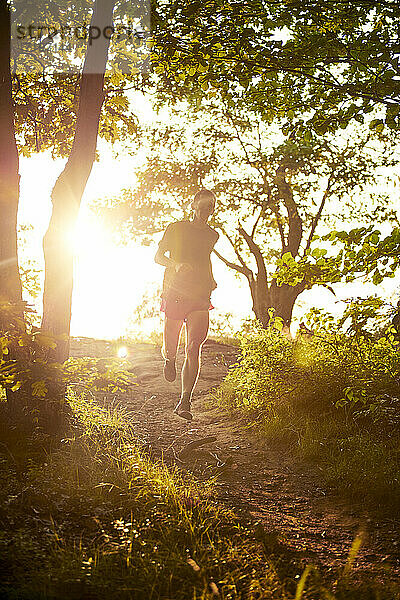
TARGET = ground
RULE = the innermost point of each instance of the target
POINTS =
(285, 496)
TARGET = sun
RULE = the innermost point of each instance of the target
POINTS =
(109, 279)
(122, 352)
(88, 238)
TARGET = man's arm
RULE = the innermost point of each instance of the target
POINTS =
(163, 247)
(163, 260)
(214, 283)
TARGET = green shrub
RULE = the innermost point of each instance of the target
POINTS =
(35, 384)
(330, 369)
(332, 395)
(265, 372)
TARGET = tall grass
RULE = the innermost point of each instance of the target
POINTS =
(332, 398)
(96, 518)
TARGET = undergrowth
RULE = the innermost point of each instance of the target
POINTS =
(332, 397)
(97, 518)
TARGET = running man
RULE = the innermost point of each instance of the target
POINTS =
(186, 296)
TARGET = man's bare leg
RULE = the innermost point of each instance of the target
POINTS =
(196, 334)
(172, 331)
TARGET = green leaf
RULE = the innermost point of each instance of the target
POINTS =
(375, 123)
(278, 323)
(287, 258)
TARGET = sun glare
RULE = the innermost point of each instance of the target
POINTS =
(122, 352)
(88, 237)
(109, 280)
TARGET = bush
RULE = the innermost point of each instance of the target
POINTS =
(332, 395)
(329, 369)
(265, 372)
(34, 384)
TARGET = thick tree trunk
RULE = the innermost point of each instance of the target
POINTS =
(10, 282)
(68, 190)
(259, 296)
(295, 233)
(282, 299)
(267, 295)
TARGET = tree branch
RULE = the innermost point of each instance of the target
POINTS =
(244, 270)
(319, 212)
(234, 248)
(256, 223)
(295, 222)
(280, 228)
(262, 277)
(252, 163)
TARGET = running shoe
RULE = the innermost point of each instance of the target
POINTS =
(169, 370)
(182, 409)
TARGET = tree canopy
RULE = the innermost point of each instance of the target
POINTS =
(274, 191)
(336, 60)
(47, 69)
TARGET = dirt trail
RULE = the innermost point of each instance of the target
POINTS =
(285, 496)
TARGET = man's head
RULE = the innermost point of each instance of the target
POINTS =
(203, 203)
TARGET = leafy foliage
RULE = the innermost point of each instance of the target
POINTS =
(338, 61)
(265, 371)
(332, 394)
(364, 252)
(337, 367)
(25, 363)
(47, 78)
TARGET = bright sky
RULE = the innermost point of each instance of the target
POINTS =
(111, 279)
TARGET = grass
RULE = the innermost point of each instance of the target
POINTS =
(292, 395)
(95, 517)
(360, 461)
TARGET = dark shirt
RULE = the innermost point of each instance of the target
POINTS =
(191, 244)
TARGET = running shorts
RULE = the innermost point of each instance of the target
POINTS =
(178, 307)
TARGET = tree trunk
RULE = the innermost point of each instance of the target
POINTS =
(10, 282)
(259, 296)
(68, 190)
(281, 298)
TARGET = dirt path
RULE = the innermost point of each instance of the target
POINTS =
(284, 496)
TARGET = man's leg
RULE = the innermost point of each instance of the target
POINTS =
(197, 323)
(172, 330)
